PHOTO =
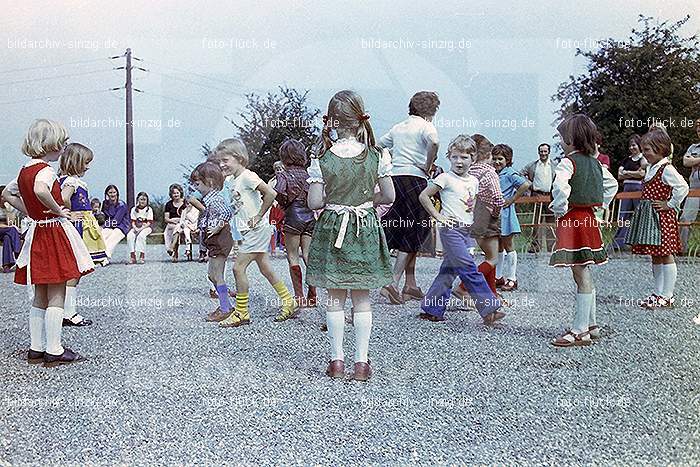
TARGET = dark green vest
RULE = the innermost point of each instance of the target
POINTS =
(587, 182)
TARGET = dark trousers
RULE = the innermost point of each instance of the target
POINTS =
(10, 245)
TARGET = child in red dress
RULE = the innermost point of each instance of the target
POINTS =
(53, 251)
(580, 185)
(654, 230)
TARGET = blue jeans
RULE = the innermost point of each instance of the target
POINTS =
(458, 262)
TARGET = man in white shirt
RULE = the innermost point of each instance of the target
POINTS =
(541, 174)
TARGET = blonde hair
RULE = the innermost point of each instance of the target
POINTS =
(235, 148)
(75, 159)
(44, 136)
(346, 110)
(462, 143)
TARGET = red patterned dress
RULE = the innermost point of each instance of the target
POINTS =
(653, 232)
(53, 251)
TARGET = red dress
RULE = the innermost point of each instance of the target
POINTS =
(656, 190)
(50, 250)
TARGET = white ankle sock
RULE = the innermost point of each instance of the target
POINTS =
(592, 318)
(500, 265)
(36, 329)
(583, 311)
(362, 322)
(669, 273)
(54, 326)
(69, 304)
(335, 320)
(658, 278)
(512, 265)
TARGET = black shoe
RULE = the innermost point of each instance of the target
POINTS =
(68, 356)
(34, 357)
(82, 322)
(429, 317)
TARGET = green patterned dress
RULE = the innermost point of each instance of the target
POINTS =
(362, 261)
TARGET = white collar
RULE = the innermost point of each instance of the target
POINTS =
(346, 148)
(637, 157)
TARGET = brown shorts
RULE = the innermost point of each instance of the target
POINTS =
(221, 243)
(485, 223)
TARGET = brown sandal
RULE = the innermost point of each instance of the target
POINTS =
(570, 339)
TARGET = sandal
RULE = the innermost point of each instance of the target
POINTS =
(510, 285)
(569, 339)
(594, 332)
(650, 301)
(390, 293)
(663, 302)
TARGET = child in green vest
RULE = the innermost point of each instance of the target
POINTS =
(581, 183)
(348, 248)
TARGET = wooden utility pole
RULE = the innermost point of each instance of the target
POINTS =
(130, 201)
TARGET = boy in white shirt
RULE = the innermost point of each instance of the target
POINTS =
(458, 192)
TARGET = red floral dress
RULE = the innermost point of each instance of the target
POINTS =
(656, 190)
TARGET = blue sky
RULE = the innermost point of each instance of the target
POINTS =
(494, 67)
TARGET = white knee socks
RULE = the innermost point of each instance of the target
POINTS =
(36, 329)
(592, 318)
(670, 273)
(501, 264)
(362, 322)
(54, 326)
(658, 272)
(69, 304)
(511, 265)
(335, 320)
(583, 311)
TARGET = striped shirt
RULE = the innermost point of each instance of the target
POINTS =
(217, 211)
(489, 185)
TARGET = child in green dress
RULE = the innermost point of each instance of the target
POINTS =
(348, 248)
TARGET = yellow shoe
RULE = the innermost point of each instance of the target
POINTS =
(288, 311)
(237, 318)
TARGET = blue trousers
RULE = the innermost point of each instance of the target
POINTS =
(10, 245)
(458, 262)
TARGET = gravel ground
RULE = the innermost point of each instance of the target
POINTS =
(161, 386)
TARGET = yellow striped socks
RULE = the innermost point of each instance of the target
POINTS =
(283, 293)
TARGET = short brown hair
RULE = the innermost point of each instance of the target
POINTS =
(505, 151)
(293, 152)
(210, 174)
(424, 104)
(579, 131)
(483, 146)
(659, 141)
(75, 159)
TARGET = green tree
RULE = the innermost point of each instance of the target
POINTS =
(266, 121)
(655, 74)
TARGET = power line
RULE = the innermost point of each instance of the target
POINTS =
(44, 78)
(226, 91)
(54, 97)
(187, 72)
(181, 101)
(53, 66)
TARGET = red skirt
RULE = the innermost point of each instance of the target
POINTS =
(52, 259)
(579, 241)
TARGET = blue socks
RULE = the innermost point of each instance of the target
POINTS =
(224, 304)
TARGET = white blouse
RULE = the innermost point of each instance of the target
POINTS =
(346, 148)
(672, 178)
(561, 190)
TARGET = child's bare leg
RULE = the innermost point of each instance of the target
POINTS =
(489, 246)
(292, 243)
(305, 246)
(411, 272)
(239, 271)
(265, 267)
(289, 305)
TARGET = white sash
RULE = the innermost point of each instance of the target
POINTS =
(360, 212)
